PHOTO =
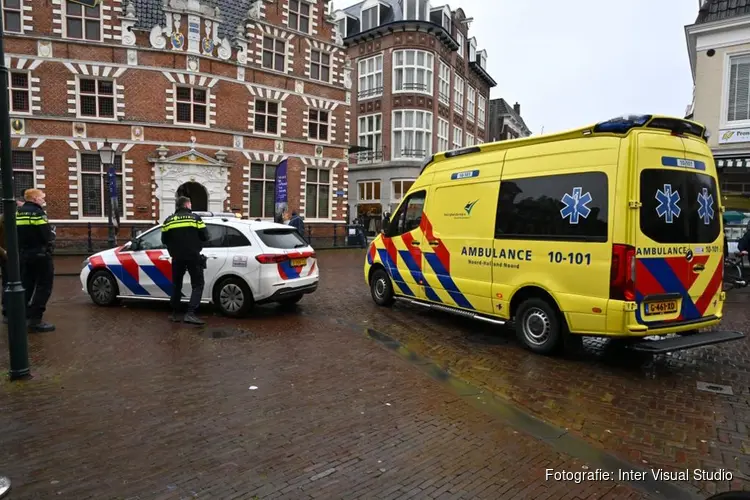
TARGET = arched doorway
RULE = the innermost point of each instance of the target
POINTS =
(197, 194)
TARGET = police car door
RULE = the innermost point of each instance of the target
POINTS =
(145, 270)
(216, 256)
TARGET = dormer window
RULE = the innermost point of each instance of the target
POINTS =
(370, 15)
(482, 58)
(447, 20)
(461, 44)
(417, 10)
(473, 50)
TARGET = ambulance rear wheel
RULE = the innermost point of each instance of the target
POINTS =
(381, 288)
(538, 326)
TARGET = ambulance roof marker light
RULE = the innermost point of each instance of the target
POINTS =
(622, 124)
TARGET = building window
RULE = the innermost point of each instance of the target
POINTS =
(94, 197)
(447, 21)
(416, 10)
(412, 71)
(370, 130)
(20, 92)
(318, 125)
(13, 15)
(317, 193)
(444, 84)
(341, 27)
(412, 134)
(369, 191)
(96, 98)
(461, 43)
(22, 163)
(370, 17)
(320, 66)
(371, 77)
(481, 116)
(262, 190)
(738, 107)
(266, 117)
(469, 139)
(399, 188)
(299, 16)
(84, 23)
(471, 97)
(442, 135)
(473, 50)
(459, 95)
(274, 53)
(192, 105)
(458, 136)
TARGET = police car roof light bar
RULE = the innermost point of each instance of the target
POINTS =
(217, 214)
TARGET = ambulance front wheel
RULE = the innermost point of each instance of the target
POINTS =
(538, 326)
(381, 288)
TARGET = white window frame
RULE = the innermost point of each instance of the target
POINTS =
(370, 127)
(427, 118)
(319, 123)
(394, 182)
(27, 90)
(444, 83)
(471, 103)
(461, 39)
(319, 63)
(458, 94)
(443, 134)
(428, 70)
(308, 215)
(96, 94)
(267, 114)
(83, 22)
(480, 140)
(469, 139)
(473, 50)
(366, 6)
(366, 77)
(31, 169)
(299, 15)
(18, 11)
(458, 137)
(481, 110)
(422, 8)
(193, 104)
(274, 53)
(728, 60)
(371, 184)
(265, 180)
(104, 187)
(445, 18)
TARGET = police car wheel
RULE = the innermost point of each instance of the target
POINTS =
(103, 288)
(381, 288)
(233, 297)
(538, 326)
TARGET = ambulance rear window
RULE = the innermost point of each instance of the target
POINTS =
(679, 207)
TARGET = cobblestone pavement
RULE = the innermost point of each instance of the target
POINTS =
(126, 405)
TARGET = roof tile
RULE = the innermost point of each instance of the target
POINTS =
(716, 10)
(233, 13)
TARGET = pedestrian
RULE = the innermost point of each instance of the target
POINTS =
(4, 257)
(35, 246)
(298, 223)
(184, 234)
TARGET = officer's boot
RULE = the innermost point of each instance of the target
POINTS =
(36, 325)
(192, 319)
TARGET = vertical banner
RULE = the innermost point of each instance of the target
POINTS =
(280, 192)
(113, 198)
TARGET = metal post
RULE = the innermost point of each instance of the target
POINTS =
(111, 227)
(15, 295)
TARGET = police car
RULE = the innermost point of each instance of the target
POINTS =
(248, 262)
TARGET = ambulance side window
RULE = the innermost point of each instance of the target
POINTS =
(409, 215)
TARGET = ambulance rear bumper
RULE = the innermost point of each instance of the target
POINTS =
(682, 342)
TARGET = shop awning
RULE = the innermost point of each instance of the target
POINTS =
(740, 162)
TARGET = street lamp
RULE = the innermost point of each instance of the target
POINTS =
(107, 156)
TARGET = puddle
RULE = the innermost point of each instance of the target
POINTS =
(225, 333)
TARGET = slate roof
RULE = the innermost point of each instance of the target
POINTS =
(503, 108)
(716, 10)
(233, 13)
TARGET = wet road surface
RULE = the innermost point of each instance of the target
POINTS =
(317, 402)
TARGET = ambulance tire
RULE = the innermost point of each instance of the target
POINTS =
(538, 326)
(381, 288)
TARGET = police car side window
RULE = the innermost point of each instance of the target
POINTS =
(566, 207)
(409, 215)
(215, 236)
(151, 240)
(234, 239)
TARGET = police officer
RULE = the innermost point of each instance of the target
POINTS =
(35, 244)
(184, 233)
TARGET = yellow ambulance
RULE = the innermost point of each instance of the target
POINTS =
(612, 230)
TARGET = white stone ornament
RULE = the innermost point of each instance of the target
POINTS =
(157, 38)
(128, 23)
(348, 74)
(254, 12)
(225, 49)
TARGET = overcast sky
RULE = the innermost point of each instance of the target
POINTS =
(570, 63)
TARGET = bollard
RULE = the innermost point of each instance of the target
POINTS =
(89, 243)
(334, 235)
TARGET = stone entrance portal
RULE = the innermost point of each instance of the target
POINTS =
(197, 194)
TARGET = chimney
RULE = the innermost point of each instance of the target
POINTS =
(517, 109)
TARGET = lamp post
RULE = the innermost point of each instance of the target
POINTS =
(107, 156)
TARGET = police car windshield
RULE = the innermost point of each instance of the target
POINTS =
(281, 238)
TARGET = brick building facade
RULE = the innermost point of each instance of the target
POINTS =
(420, 86)
(203, 97)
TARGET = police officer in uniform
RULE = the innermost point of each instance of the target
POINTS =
(35, 243)
(184, 233)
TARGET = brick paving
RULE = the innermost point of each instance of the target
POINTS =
(126, 405)
(643, 409)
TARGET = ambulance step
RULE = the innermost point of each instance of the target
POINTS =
(452, 310)
(680, 343)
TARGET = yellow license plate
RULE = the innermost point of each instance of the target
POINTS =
(299, 262)
(660, 307)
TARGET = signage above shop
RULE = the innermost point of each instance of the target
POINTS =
(733, 136)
